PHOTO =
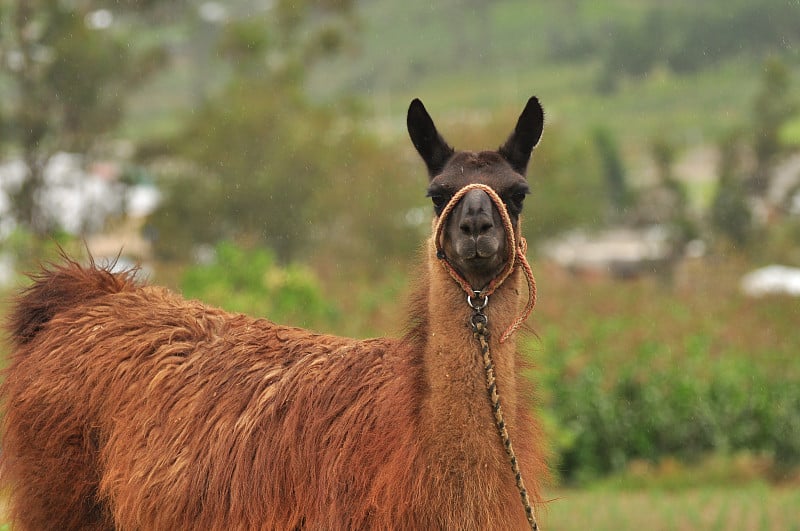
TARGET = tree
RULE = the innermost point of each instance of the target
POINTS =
(567, 185)
(673, 191)
(774, 105)
(69, 69)
(730, 213)
(619, 193)
(266, 165)
(279, 172)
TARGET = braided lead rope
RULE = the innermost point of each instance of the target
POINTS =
(479, 331)
(516, 252)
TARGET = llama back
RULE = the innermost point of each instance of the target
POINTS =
(57, 289)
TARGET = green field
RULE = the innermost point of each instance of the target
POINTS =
(751, 508)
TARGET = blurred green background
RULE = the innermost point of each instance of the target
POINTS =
(253, 154)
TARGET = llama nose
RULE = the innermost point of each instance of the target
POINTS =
(476, 214)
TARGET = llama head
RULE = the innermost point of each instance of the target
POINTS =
(474, 239)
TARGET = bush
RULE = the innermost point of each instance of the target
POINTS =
(250, 281)
(632, 372)
(677, 413)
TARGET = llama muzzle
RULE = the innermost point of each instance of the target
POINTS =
(515, 255)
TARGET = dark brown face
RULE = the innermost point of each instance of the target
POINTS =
(474, 239)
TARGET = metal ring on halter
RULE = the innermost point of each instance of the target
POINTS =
(481, 307)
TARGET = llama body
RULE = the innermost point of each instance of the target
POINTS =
(129, 407)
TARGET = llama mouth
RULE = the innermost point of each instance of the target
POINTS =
(473, 257)
(478, 260)
(478, 270)
(481, 248)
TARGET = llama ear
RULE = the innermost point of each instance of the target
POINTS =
(429, 143)
(517, 149)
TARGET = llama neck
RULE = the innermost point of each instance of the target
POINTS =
(456, 407)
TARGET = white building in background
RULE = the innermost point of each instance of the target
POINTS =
(618, 252)
(82, 202)
(772, 280)
(77, 200)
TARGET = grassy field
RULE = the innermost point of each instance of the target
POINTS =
(698, 320)
(751, 508)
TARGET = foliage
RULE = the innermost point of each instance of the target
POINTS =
(68, 85)
(649, 415)
(251, 281)
(620, 196)
(665, 373)
(746, 165)
(28, 251)
(685, 39)
(568, 187)
(254, 171)
(266, 165)
(618, 38)
(730, 213)
(780, 244)
(667, 202)
(295, 178)
(774, 105)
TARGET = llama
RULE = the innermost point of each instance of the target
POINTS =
(129, 407)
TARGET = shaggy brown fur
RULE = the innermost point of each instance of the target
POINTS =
(128, 407)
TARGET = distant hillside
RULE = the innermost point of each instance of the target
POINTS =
(686, 69)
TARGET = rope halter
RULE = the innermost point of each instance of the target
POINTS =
(515, 251)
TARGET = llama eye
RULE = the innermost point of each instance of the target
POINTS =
(439, 202)
(515, 201)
